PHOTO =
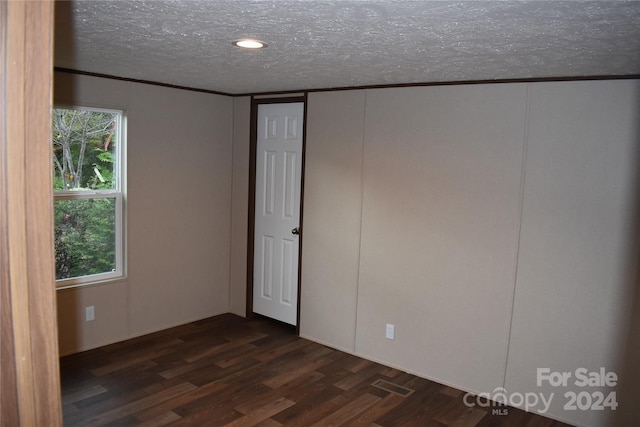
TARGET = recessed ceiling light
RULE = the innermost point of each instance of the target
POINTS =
(249, 44)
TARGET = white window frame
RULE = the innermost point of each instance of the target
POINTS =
(117, 193)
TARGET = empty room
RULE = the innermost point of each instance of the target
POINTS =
(377, 213)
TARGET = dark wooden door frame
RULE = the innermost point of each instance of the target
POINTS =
(255, 102)
(29, 372)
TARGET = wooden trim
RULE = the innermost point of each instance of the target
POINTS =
(251, 223)
(132, 80)
(279, 100)
(29, 368)
(9, 414)
(255, 102)
(288, 94)
(448, 83)
(297, 92)
(304, 152)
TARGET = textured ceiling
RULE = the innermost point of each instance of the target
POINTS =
(325, 44)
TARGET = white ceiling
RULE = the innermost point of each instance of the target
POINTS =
(339, 43)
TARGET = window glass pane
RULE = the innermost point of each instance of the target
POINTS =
(85, 236)
(84, 149)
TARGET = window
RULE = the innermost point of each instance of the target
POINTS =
(88, 194)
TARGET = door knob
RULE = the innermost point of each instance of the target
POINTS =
(296, 231)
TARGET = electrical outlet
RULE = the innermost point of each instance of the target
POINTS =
(390, 332)
(90, 313)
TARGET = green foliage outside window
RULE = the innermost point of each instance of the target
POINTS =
(84, 237)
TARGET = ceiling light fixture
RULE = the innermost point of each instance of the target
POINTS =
(249, 44)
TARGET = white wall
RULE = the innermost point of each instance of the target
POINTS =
(492, 224)
(576, 263)
(442, 169)
(179, 172)
(332, 215)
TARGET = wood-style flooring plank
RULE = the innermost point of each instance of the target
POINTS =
(316, 413)
(263, 413)
(295, 390)
(349, 411)
(160, 420)
(170, 405)
(376, 411)
(83, 394)
(229, 371)
(138, 405)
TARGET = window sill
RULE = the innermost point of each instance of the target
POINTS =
(110, 281)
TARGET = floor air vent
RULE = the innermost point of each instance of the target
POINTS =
(392, 388)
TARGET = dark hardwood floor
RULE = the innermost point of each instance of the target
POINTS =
(227, 371)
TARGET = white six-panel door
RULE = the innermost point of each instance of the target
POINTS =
(277, 210)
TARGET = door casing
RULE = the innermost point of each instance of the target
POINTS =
(255, 102)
